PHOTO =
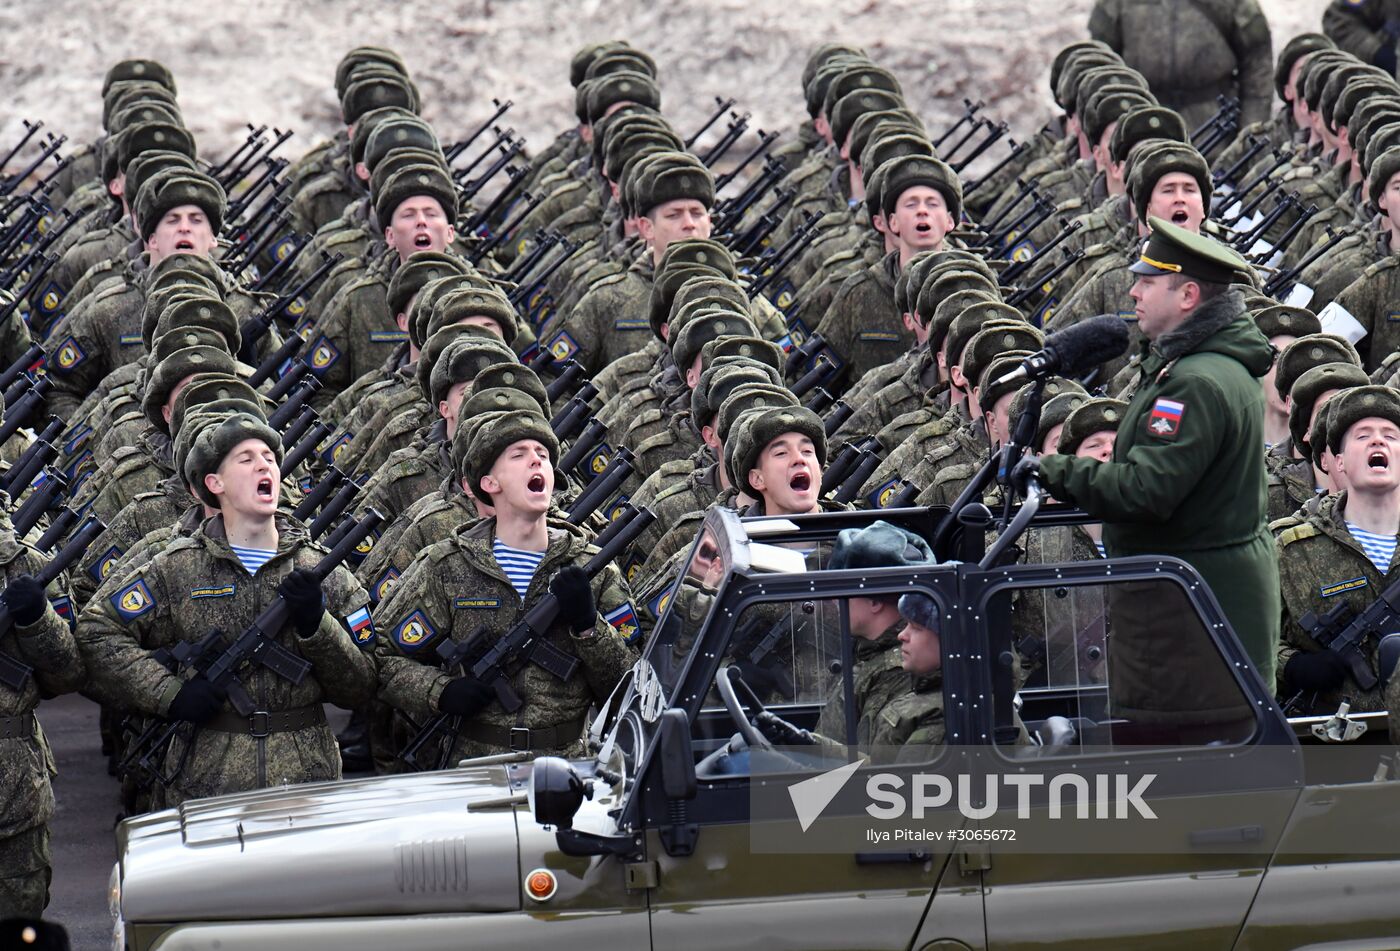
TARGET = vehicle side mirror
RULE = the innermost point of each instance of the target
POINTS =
(556, 792)
(677, 755)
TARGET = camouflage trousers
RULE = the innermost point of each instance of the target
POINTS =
(25, 872)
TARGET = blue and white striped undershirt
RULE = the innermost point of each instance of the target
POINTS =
(1379, 549)
(519, 565)
(253, 558)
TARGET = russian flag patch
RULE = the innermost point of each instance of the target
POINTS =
(1164, 421)
(361, 627)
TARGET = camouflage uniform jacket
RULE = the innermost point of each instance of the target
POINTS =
(862, 325)
(609, 322)
(911, 726)
(1191, 51)
(927, 441)
(147, 512)
(355, 336)
(877, 678)
(1372, 300)
(48, 647)
(428, 521)
(197, 584)
(904, 393)
(409, 474)
(1320, 566)
(455, 588)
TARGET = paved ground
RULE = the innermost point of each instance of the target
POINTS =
(83, 845)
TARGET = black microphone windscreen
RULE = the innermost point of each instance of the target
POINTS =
(1083, 346)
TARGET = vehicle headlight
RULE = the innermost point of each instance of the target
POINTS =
(114, 906)
(114, 892)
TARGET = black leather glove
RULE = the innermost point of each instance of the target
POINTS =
(26, 599)
(302, 592)
(780, 732)
(198, 701)
(248, 343)
(1315, 671)
(576, 606)
(1023, 471)
(465, 697)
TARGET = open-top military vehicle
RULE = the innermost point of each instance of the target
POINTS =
(651, 843)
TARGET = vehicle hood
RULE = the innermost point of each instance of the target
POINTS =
(386, 845)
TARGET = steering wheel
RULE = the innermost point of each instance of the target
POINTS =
(725, 679)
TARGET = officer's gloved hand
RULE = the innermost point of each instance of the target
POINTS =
(26, 599)
(198, 701)
(1315, 671)
(780, 732)
(465, 697)
(1022, 472)
(302, 592)
(576, 605)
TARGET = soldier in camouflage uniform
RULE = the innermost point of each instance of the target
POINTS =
(180, 212)
(1192, 52)
(1344, 553)
(223, 576)
(1282, 325)
(357, 334)
(1295, 483)
(922, 202)
(40, 638)
(910, 728)
(485, 577)
(609, 322)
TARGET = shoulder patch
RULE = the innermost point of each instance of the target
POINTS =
(413, 630)
(385, 584)
(98, 572)
(361, 627)
(624, 620)
(563, 346)
(323, 355)
(69, 354)
(51, 299)
(1164, 421)
(133, 601)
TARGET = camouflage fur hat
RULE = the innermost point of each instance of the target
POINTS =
(217, 440)
(878, 545)
(604, 92)
(1385, 166)
(423, 310)
(942, 283)
(463, 303)
(196, 311)
(988, 343)
(144, 166)
(850, 107)
(759, 429)
(207, 388)
(143, 69)
(1160, 162)
(578, 65)
(414, 181)
(398, 132)
(517, 377)
(376, 89)
(463, 351)
(1307, 352)
(1068, 396)
(1144, 124)
(992, 384)
(947, 311)
(686, 345)
(747, 397)
(718, 382)
(171, 370)
(1295, 49)
(753, 349)
(418, 269)
(366, 57)
(912, 170)
(1092, 416)
(1280, 320)
(490, 435)
(1348, 408)
(176, 187)
(678, 180)
(1309, 387)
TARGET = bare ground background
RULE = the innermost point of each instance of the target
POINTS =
(272, 61)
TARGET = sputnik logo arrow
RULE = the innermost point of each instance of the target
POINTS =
(811, 796)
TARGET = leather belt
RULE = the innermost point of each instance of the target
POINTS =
(520, 738)
(263, 723)
(19, 727)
